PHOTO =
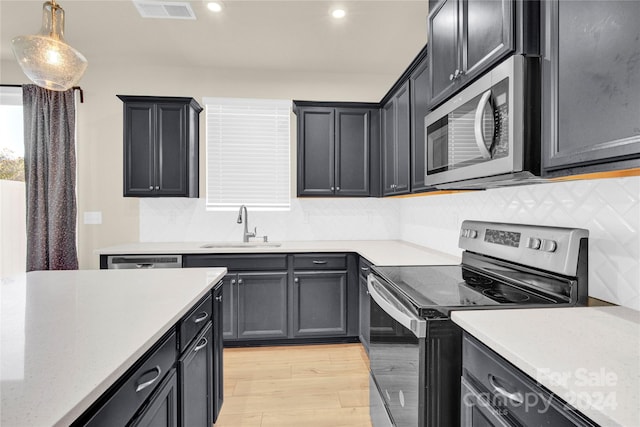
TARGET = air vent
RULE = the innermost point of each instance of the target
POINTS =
(164, 9)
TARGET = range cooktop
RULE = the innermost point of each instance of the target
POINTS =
(445, 288)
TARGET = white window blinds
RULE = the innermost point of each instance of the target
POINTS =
(247, 153)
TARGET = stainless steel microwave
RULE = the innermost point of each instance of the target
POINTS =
(487, 135)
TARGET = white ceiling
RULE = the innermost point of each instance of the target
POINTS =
(379, 36)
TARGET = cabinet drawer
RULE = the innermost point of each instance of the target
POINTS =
(194, 321)
(320, 262)
(139, 385)
(238, 263)
(512, 392)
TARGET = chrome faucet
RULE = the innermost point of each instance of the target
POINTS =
(247, 233)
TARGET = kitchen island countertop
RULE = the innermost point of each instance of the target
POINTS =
(378, 252)
(68, 335)
(588, 356)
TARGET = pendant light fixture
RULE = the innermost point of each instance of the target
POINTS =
(45, 57)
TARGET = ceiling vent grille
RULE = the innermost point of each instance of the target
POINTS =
(164, 9)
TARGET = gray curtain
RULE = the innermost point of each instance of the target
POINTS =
(50, 178)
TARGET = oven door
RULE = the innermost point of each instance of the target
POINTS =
(396, 356)
(478, 133)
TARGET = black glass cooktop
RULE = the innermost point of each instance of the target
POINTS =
(454, 286)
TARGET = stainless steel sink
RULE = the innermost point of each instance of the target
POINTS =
(241, 245)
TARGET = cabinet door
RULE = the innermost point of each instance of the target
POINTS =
(230, 307)
(419, 100)
(403, 138)
(320, 304)
(388, 147)
(364, 313)
(591, 85)
(316, 145)
(171, 149)
(444, 53)
(196, 381)
(162, 409)
(352, 152)
(218, 344)
(487, 33)
(139, 147)
(262, 305)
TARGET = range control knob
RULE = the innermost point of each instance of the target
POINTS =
(533, 243)
(548, 245)
(473, 234)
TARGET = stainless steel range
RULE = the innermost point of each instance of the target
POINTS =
(415, 349)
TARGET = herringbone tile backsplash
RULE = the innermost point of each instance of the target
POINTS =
(608, 208)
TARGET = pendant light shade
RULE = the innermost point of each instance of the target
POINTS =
(45, 57)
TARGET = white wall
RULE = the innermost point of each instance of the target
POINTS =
(13, 234)
(168, 220)
(608, 208)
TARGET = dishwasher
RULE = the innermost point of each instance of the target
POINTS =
(119, 262)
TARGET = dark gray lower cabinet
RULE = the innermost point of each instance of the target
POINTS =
(196, 380)
(162, 410)
(320, 303)
(363, 302)
(218, 344)
(258, 306)
(177, 382)
(494, 393)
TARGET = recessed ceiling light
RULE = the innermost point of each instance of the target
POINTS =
(214, 6)
(338, 13)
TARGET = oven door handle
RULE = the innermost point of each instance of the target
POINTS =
(390, 305)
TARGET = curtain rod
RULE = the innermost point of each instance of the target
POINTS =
(78, 88)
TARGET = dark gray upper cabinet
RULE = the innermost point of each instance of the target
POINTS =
(420, 92)
(161, 137)
(466, 38)
(396, 129)
(591, 86)
(333, 150)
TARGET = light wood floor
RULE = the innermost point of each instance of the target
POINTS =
(301, 386)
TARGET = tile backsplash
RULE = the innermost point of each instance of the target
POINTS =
(608, 208)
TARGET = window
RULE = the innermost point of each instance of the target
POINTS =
(13, 246)
(11, 134)
(248, 153)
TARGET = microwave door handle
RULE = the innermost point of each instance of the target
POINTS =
(477, 125)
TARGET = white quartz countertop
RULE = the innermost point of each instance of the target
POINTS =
(68, 335)
(588, 356)
(378, 252)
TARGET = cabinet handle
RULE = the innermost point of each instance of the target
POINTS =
(296, 280)
(451, 77)
(157, 187)
(337, 188)
(319, 261)
(201, 346)
(364, 268)
(514, 397)
(233, 281)
(201, 318)
(239, 281)
(219, 298)
(151, 187)
(151, 381)
(332, 188)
